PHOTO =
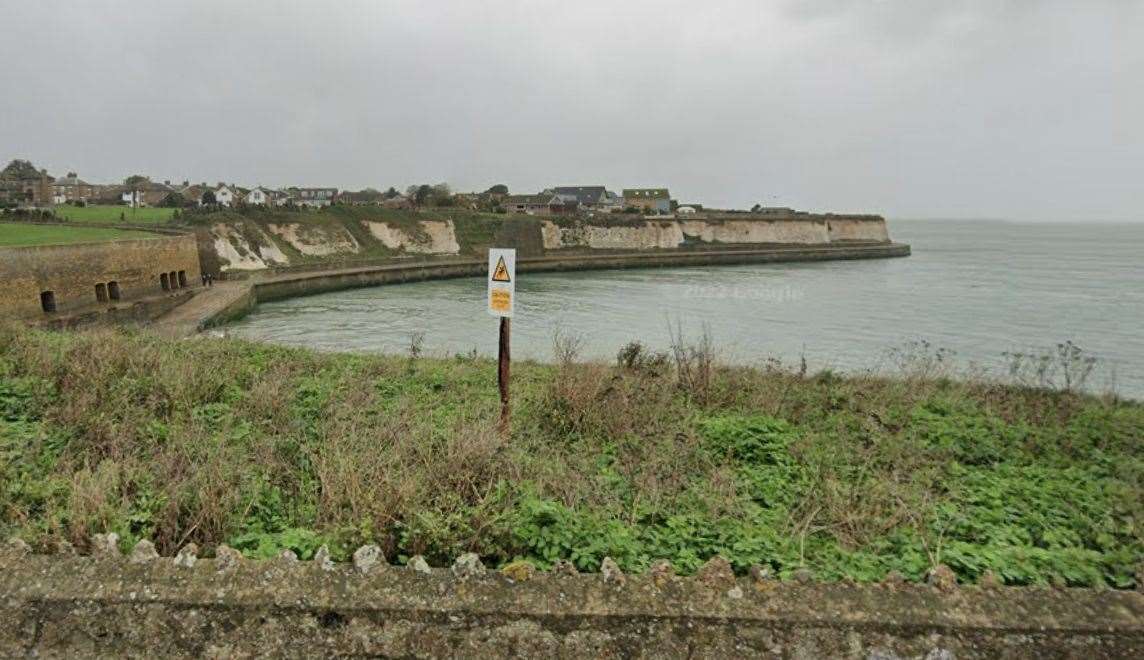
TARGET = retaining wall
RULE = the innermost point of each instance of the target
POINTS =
(147, 606)
(71, 273)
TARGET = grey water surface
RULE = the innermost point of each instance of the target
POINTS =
(976, 289)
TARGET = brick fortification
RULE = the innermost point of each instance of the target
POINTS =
(50, 281)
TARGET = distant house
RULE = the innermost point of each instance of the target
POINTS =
(587, 197)
(71, 188)
(315, 197)
(649, 199)
(193, 192)
(146, 193)
(226, 195)
(264, 197)
(686, 210)
(21, 184)
(541, 204)
(398, 202)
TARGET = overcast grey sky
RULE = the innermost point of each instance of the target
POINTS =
(1021, 109)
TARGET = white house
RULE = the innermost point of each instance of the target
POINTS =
(260, 196)
(225, 195)
(685, 210)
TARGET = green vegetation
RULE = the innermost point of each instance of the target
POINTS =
(14, 234)
(659, 456)
(115, 214)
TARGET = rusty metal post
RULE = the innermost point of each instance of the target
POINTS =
(503, 373)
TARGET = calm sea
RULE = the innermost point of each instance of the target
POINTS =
(976, 289)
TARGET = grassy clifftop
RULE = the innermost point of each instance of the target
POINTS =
(655, 457)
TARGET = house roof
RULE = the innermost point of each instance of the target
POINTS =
(646, 193)
(583, 194)
(533, 200)
(71, 180)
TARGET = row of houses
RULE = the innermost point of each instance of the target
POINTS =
(21, 184)
(573, 199)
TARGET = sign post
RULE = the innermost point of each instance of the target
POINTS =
(502, 296)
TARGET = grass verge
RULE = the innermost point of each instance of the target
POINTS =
(657, 456)
(14, 234)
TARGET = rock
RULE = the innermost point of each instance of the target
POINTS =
(187, 556)
(143, 552)
(716, 573)
(735, 592)
(227, 558)
(611, 572)
(519, 571)
(942, 578)
(661, 572)
(894, 579)
(803, 576)
(565, 568)
(366, 558)
(761, 573)
(468, 565)
(288, 556)
(989, 580)
(63, 547)
(418, 564)
(105, 546)
(322, 558)
(16, 547)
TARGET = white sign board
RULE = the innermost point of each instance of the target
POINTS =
(502, 281)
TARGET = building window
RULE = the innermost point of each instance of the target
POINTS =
(48, 301)
(113, 290)
(165, 282)
(182, 278)
(101, 292)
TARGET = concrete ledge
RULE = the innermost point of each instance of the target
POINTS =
(150, 606)
(287, 286)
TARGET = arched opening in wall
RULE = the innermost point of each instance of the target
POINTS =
(113, 290)
(165, 282)
(101, 292)
(174, 280)
(182, 278)
(48, 301)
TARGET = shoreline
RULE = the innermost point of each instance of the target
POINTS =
(232, 299)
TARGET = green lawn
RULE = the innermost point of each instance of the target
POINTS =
(148, 216)
(18, 235)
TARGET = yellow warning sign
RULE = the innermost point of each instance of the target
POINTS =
(500, 300)
(500, 273)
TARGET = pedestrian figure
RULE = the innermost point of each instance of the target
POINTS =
(204, 279)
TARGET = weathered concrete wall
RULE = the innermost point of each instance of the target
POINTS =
(71, 273)
(147, 606)
(306, 283)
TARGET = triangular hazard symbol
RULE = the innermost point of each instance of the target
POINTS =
(500, 273)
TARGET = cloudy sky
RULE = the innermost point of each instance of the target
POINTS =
(1023, 109)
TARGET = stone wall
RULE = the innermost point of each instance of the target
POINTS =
(72, 273)
(143, 605)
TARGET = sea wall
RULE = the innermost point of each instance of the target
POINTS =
(144, 605)
(306, 283)
(92, 278)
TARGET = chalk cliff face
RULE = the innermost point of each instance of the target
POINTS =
(252, 245)
(666, 234)
(245, 247)
(439, 237)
